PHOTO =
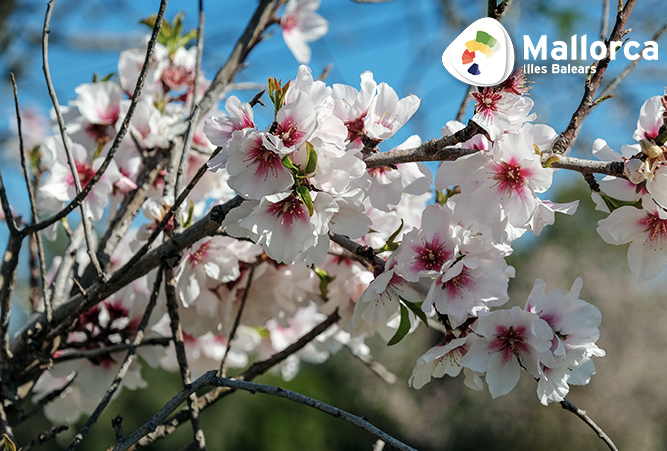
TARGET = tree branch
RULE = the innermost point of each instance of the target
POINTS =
(124, 367)
(567, 405)
(566, 139)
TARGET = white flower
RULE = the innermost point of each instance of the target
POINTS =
(301, 24)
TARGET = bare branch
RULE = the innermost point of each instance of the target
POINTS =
(604, 25)
(33, 207)
(255, 370)
(200, 50)
(567, 405)
(85, 219)
(177, 336)
(437, 149)
(366, 252)
(566, 139)
(237, 320)
(251, 36)
(45, 436)
(121, 131)
(630, 67)
(124, 367)
(298, 398)
(97, 352)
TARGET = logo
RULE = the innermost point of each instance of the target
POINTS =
(482, 55)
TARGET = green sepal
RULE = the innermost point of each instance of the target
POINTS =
(325, 280)
(537, 150)
(304, 194)
(416, 308)
(613, 203)
(551, 160)
(311, 162)
(191, 211)
(9, 445)
(403, 327)
(391, 245)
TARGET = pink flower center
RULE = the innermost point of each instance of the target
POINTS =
(86, 174)
(509, 341)
(455, 285)
(289, 23)
(510, 175)
(289, 209)
(355, 128)
(264, 159)
(430, 255)
(199, 255)
(487, 101)
(656, 227)
(175, 77)
(289, 133)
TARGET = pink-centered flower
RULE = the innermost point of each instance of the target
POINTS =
(646, 231)
(301, 24)
(511, 340)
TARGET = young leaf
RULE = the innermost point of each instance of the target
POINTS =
(290, 165)
(403, 327)
(613, 203)
(311, 162)
(325, 280)
(9, 445)
(416, 308)
(304, 194)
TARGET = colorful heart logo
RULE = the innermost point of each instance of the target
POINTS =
(482, 55)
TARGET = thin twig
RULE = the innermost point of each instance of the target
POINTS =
(436, 149)
(251, 36)
(46, 399)
(106, 350)
(78, 199)
(183, 163)
(33, 207)
(179, 346)
(298, 398)
(124, 367)
(45, 436)
(604, 25)
(85, 219)
(464, 103)
(567, 405)
(237, 320)
(366, 252)
(630, 67)
(7, 280)
(565, 140)
(375, 367)
(256, 369)
(200, 50)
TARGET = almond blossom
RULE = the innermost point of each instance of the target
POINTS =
(301, 24)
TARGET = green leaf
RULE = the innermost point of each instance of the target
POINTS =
(325, 280)
(9, 445)
(416, 308)
(290, 165)
(391, 245)
(149, 21)
(311, 162)
(403, 327)
(613, 203)
(304, 194)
